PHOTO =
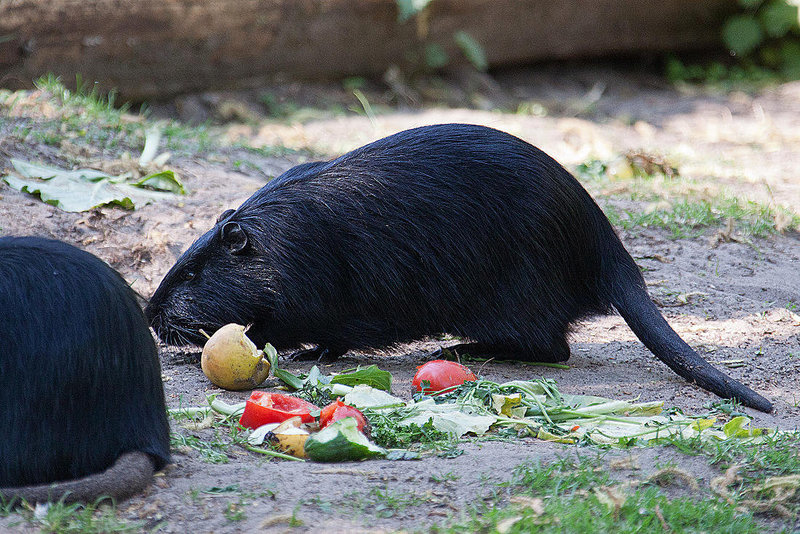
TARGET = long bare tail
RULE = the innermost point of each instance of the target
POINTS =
(130, 474)
(633, 303)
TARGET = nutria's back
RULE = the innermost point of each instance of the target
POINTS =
(405, 237)
(80, 380)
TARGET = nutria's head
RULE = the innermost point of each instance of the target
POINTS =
(220, 279)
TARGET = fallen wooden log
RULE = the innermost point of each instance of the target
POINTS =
(157, 48)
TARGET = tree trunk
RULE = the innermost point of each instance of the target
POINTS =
(157, 48)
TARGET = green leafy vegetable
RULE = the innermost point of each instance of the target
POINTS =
(363, 396)
(553, 416)
(387, 432)
(162, 181)
(370, 376)
(739, 427)
(291, 380)
(451, 419)
(82, 189)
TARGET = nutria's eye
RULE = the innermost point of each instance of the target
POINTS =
(188, 275)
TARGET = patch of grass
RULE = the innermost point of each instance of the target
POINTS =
(270, 151)
(214, 451)
(610, 510)
(242, 164)
(6, 508)
(674, 203)
(85, 96)
(195, 494)
(382, 503)
(579, 496)
(287, 112)
(48, 138)
(181, 138)
(450, 476)
(91, 121)
(565, 476)
(88, 518)
(216, 448)
(54, 114)
(295, 521)
(767, 473)
(776, 455)
(325, 505)
(691, 218)
(234, 511)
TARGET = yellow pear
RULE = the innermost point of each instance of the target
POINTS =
(231, 361)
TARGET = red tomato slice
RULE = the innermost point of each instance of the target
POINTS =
(442, 375)
(339, 410)
(263, 408)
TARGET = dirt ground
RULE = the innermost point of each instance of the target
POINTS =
(746, 301)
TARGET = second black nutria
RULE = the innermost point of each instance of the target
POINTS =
(83, 412)
(450, 228)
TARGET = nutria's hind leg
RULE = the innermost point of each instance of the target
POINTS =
(317, 354)
(558, 351)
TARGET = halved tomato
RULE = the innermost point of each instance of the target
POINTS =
(442, 375)
(339, 410)
(263, 407)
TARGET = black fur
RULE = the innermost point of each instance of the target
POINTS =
(80, 380)
(449, 228)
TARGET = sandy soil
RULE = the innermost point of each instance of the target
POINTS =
(745, 304)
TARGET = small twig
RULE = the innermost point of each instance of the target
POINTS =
(661, 519)
(720, 484)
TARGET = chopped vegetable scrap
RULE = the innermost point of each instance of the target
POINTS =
(441, 376)
(231, 361)
(339, 410)
(263, 408)
(341, 441)
(475, 407)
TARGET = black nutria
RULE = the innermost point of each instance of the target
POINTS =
(451, 228)
(83, 412)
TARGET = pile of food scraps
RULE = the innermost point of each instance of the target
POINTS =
(353, 415)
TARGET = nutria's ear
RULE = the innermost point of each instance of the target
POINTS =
(233, 237)
(224, 215)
